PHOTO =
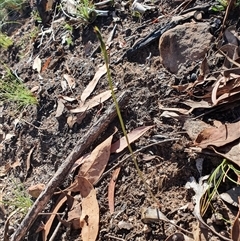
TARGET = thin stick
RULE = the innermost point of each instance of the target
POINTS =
(85, 142)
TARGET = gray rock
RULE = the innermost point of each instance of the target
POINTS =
(183, 45)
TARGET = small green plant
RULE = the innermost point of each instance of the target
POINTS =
(20, 199)
(214, 181)
(67, 38)
(86, 11)
(13, 91)
(5, 41)
(35, 15)
(110, 83)
(220, 6)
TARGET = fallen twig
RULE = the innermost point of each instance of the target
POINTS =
(66, 166)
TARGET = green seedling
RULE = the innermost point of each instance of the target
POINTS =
(222, 5)
(106, 60)
(86, 11)
(217, 177)
(35, 15)
(20, 199)
(13, 91)
(67, 38)
(5, 41)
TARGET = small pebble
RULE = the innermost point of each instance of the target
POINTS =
(125, 225)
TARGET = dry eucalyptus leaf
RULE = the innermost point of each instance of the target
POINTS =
(95, 164)
(111, 189)
(91, 86)
(70, 80)
(67, 98)
(95, 101)
(121, 144)
(60, 107)
(78, 118)
(90, 210)
(218, 136)
(74, 214)
(47, 226)
(230, 151)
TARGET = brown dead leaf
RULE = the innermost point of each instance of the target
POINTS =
(78, 118)
(204, 68)
(121, 144)
(75, 213)
(221, 80)
(196, 105)
(235, 234)
(230, 152)
(177, 110)
(46, 227)
(37, 64)
(95, 163)
(96, 100)
(90, 210)
(80, 161)
(60, 107)
(91, 86)
(224, 92)
(111, 189)
(67, 98)
(218, 136)
(28, 160)
(70, 80)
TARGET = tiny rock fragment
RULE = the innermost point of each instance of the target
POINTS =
(64, 85)
(231, 196)
(60, 108)
(34, 89)
(125, 225)
(37, 64)
(146, 229)
(35, 190)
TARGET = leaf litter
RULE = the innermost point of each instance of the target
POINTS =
(212, 89)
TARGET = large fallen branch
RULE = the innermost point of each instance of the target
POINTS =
(66, 166)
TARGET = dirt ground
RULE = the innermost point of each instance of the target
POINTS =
(167, 166)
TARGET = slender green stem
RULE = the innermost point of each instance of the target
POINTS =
(105, 56)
